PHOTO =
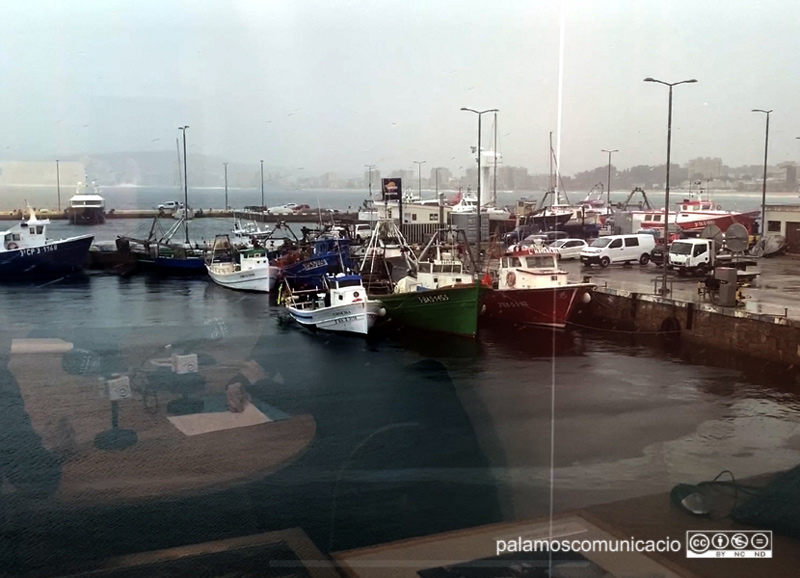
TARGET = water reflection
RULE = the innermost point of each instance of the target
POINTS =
(366, 440)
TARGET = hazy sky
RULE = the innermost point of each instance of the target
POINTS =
(333, 85)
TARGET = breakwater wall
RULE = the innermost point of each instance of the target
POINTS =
(768, 338)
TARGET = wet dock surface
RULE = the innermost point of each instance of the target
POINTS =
(775, 291)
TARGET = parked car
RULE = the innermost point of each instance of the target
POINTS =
(170, 206)
(569, 248)
(301, 208)
(619, 249)
(545, 237)
(657, 255)
(362, 232)
(286, 209)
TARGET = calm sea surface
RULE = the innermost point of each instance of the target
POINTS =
(410, 434)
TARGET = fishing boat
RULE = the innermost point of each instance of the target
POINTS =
(159, 252)
(436, 292)
(26, 251)
(341, 305)
(307, 265)
(530, 289)
(85, 207)
(245, 270)
(693, 214)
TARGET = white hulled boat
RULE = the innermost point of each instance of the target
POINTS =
(341, 306)
(244, 270)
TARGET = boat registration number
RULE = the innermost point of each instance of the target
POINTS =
(38, 250)
(340, 320)
(314, 265)
(433, 298)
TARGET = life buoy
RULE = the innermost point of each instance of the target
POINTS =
(719, 207)
(12, 246)
(511, 279)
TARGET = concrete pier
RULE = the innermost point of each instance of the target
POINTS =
(301, 217)
(765, 326)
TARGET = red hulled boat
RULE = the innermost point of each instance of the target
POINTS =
(531, 289)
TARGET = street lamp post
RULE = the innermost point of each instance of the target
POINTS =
(664, 290)
(440, 198)
(226, 185)
(764, 183)
(369, 168)
(480, 113)
(185, 186)
(419, 177)
(262, 186)
(608, 183)
(58, 185)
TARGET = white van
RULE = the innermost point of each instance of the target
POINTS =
(619, 249)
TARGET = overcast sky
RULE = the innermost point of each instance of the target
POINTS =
(334, 85)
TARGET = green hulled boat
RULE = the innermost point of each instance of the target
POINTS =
(452, 310)
(435, 292)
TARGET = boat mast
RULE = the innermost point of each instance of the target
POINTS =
(550, 155)
(494, 186)
(185, 187)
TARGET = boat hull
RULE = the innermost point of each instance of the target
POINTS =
(261, 280)
(54, 258)
(86, 216)
(173, 265)
(452, 310)
(546, 307)
(355, 318)
(310, 272)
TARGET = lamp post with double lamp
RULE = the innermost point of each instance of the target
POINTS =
(608, 184)
(764, 183)
(664, 290)
(185, 186)
(480, 113)
(369, 168)
(419, 177)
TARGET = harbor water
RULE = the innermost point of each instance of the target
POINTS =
(410, 434)
(413, 434)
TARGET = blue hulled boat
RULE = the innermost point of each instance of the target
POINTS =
(26, 251)
(328, 256)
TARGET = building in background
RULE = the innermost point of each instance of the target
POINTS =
(705, 168)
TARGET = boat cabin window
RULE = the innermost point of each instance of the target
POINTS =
(424, 267)
(540, 261)
(348, 283)
(39, 229)
(514, 262)
(447, 268)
